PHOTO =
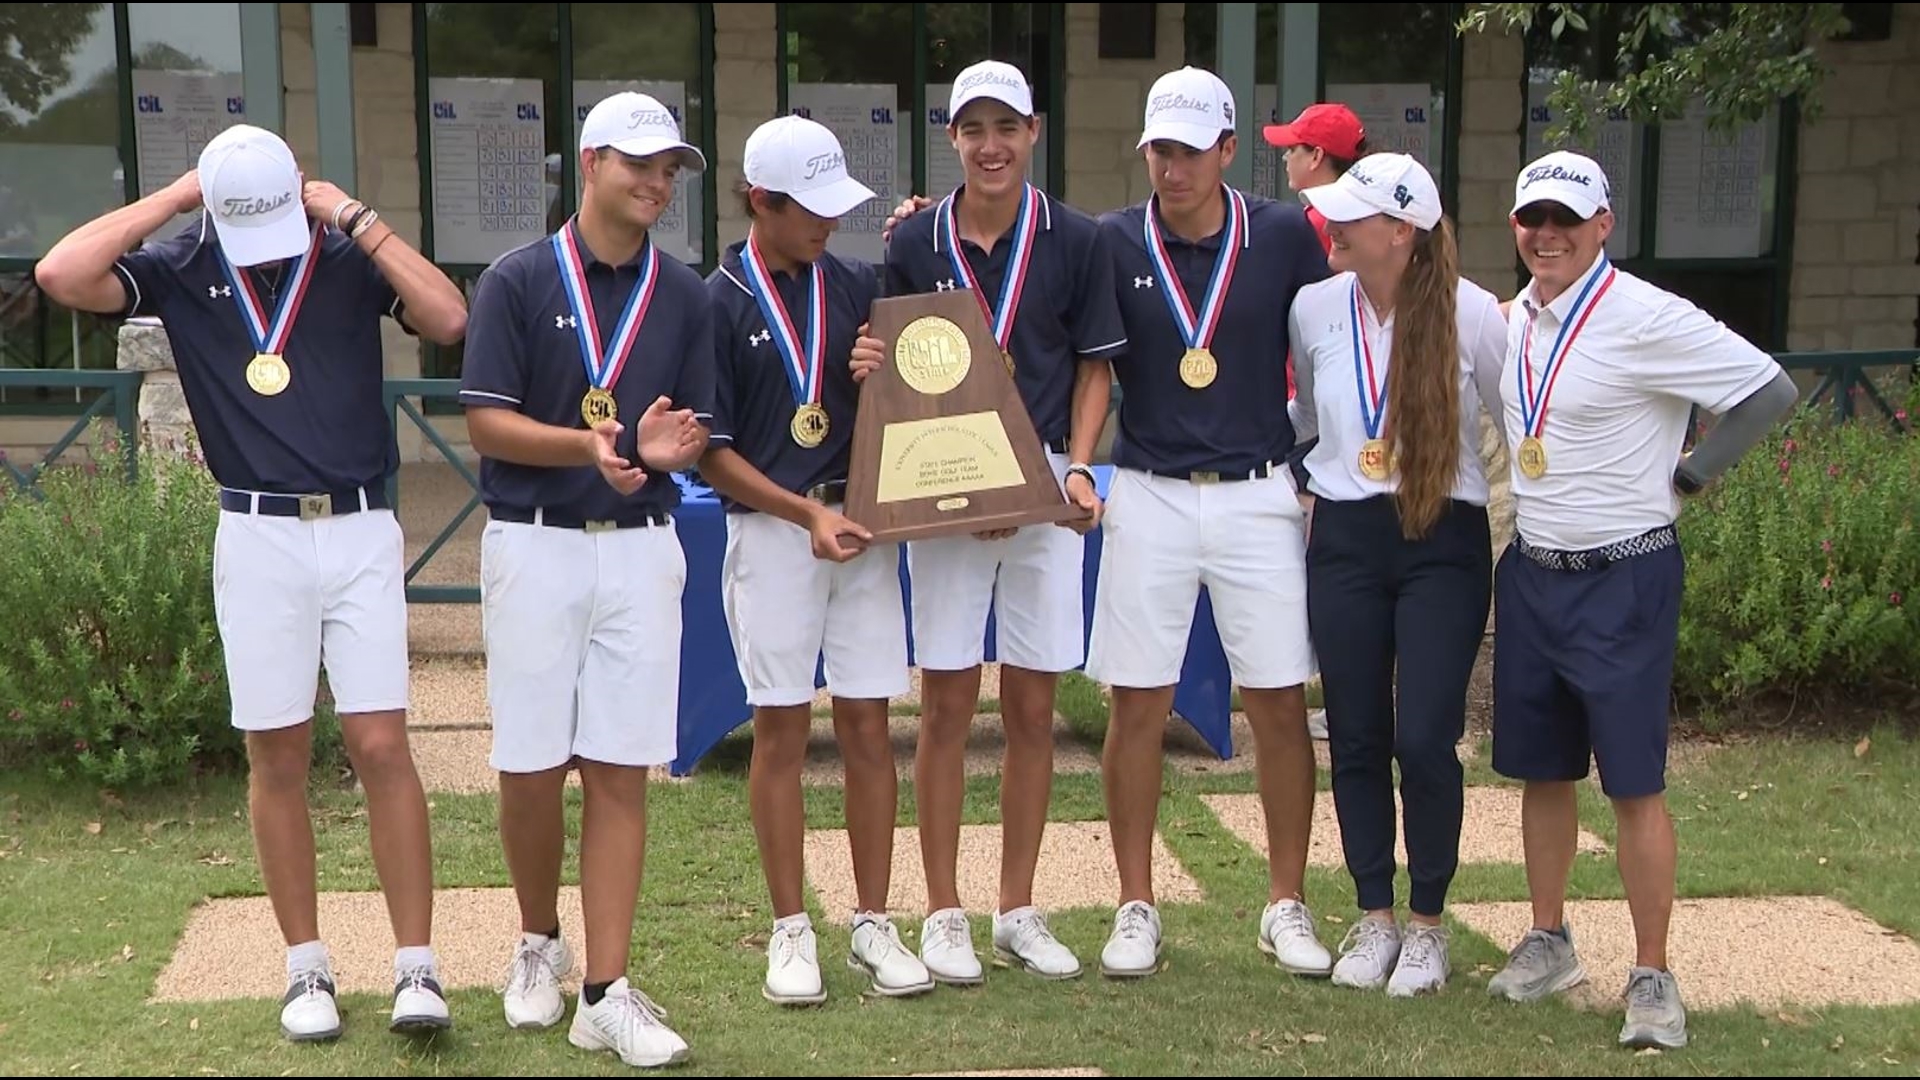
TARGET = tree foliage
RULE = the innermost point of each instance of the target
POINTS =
(1649, 62)
(37, 43)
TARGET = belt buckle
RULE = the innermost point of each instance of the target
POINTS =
(315, 506)
(1208, 477)
(599, 526)
(818, 493)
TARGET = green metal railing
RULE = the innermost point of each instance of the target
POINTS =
(399, 394)
(1843, 379)
(119, 395)
(1844, 372)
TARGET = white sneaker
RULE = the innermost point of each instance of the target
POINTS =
(532, 993)
(628, 1023)
(895, 971)
(946, 947)
(1423, 962)
(418, 1004)
(308, 1011)
(1022, 940)
(1368, 954)
(1133, 950)
(1286, 934)
(793, 967)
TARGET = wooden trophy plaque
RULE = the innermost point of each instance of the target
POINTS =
(942, 443)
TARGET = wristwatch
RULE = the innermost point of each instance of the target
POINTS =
(1083, 470)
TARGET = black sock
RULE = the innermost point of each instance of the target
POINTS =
(593, 992)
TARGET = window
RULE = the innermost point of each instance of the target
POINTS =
(60, 119)
(854, 68)
(187, 88)
(506, 89)
(1392, 64)
(1695, 211)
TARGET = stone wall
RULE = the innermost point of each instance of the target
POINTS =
(1106, 101)
(746, 95)
(1855, 275)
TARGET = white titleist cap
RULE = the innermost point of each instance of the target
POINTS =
(803, 159)
(250, 185)
(1190, 106)
(990, 79)
(638, 125)
(1572, 180)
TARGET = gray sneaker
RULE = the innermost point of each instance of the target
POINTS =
(1655, 1015)
(1543, 963)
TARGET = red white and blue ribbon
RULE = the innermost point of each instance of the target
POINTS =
(1197, 327)
(803, 366)
(1373, 391)
(603, 369)
(270, 334)
(1025, 228)
(1533, 404)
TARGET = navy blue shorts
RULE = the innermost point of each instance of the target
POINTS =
(1583, 667)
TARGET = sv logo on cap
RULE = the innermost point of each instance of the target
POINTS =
(1402, 196)
(253, 206)
(823, 163)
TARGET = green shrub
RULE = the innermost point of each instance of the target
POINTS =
(111, 669)
(1802, 566)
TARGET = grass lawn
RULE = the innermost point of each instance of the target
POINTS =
(95, 891)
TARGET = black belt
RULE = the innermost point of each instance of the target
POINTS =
(305, 507)
(1059, 445)
(833, 491)
(634, 520)
(1200, 476)
(1595, 558)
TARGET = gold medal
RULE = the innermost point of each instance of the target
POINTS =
(809, 425)
(598, 405)
(1373, 459)
(1007, 356)
(268, 374)
(1198, 368)
(1533, 458)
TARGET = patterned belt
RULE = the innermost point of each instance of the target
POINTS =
(1595, 558)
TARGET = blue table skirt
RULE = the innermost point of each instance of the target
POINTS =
(713, 700)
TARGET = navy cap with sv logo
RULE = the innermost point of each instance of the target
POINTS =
(1572, 180)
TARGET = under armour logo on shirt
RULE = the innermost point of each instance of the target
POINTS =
(216, 291)
(1143, 282)
(759, 339)
(565, 322)
(943, 286)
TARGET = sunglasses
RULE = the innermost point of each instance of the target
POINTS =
(1534, 215)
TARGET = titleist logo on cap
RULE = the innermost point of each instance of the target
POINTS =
(1163, 102)
(996, 78)
(640, 118)
(824, 163)
(254, 206)
(1556, 172)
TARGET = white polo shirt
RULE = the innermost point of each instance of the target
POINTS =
(1616, 415)
(1330, 368)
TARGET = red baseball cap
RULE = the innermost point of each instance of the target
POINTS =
(1333, 128)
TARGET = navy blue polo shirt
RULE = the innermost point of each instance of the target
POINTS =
(1066, 306)
(523, 353)
(329, 430)
(754, 402)
(1239, 421)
